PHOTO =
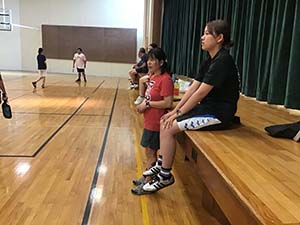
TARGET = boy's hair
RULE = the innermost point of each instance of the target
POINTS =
(154, 45)
(40, 50)
(142, 50)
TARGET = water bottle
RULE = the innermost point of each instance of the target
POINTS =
(176, 89)
(173, 77)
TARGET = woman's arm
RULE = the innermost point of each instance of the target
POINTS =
(166, 103)
(197, 97)
(162, 104)
(190, 103)
(190, 91)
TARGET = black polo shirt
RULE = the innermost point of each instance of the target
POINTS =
(143, 60)
(41, 60)
(220, 72)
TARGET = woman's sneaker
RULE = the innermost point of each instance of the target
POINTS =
(138, 190)
(133, 86)
(152, 170)
(139, 181)
(139, 100)
(157, 183)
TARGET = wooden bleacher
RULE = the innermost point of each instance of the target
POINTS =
(250, 177)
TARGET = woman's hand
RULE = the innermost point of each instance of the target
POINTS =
(168, 122)
(141, 107)
(166, 116)
(144, 79)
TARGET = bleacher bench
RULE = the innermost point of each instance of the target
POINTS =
(250, 177)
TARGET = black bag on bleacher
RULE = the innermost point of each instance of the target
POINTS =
(290, 130)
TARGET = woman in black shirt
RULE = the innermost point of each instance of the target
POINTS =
(42, 68)
(210, 102)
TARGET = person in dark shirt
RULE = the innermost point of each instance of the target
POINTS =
(210, 103)
(138, 69)
(42, 68)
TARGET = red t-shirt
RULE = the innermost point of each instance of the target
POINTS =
(158, 87)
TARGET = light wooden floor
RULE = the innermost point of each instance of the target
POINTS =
(70, 153)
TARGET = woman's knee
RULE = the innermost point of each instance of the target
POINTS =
(169, 131)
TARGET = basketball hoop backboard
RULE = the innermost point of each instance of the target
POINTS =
(5, 20)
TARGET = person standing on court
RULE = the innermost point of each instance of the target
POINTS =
(42, 68)
(143, 80)
(158, 99)
(79, 60)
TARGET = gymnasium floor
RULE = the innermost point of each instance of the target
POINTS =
(70, 152)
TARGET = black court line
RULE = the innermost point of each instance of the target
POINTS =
(57, 114)
(11, 99)
(61, 126)
(30, 91)
(89, 203)
(50, 137)
(42, 113)
(98, 87)
(16, 156)
(54, 133)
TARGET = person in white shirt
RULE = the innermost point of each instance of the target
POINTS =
(79, 60)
